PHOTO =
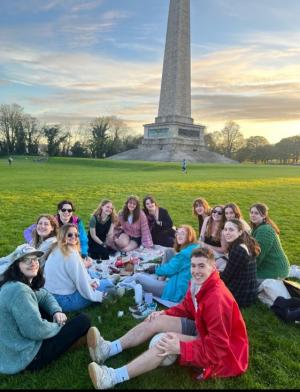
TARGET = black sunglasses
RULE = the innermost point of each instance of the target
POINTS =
(217, 212)
(66, 209)
(70, 235)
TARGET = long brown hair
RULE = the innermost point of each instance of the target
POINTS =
(136, 213)
(236, 210)
(36, 239)
(62, 239)
(152, 199)
(263, 210)
(98, 210)
(206, 207)
(244, 238)
(191, 237)
(204, 203)
(210, 223)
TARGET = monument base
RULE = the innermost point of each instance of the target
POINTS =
(171, 152)
(173, 142)
(174, 133)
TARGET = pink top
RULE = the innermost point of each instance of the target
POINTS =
(137, 229)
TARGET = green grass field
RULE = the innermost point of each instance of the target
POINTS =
(29, 188)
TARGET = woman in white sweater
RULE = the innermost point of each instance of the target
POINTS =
(66, 276)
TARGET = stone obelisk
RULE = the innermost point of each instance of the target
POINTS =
(174, 136)
(174, 128)
(175, 93)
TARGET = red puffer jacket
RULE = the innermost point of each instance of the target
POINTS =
(222, 347)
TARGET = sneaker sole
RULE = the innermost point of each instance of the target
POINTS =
(139, 317)
(92, 342)
(93, 374)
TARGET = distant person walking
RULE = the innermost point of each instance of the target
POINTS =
(183, 166)
(10, 160)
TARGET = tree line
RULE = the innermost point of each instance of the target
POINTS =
(257, 149)
(21, 133)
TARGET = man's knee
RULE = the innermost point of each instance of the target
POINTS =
(163, 323)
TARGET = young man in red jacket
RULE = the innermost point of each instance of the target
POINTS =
(206, 331)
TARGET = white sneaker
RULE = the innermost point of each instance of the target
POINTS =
(98, 347)
(102, 377)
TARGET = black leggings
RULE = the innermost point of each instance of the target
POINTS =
(54, 347)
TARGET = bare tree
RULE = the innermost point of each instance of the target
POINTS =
(10, 124)
(33, 134)
(231, 138)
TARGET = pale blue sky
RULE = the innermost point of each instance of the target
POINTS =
(72, 60)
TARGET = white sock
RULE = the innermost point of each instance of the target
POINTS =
(121, 374)
(138, 294)
(115, 348)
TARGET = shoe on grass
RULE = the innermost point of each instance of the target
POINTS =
(102, 377)
(98, 347)
(141, 314)
(137, 307)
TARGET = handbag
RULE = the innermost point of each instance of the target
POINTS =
(292, 287)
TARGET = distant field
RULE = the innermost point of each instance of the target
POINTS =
(28, 188)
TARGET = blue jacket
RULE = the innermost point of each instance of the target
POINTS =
(178, 270)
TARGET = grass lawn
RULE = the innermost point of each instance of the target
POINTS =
(28, 188)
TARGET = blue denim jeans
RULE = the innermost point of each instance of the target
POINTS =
(72, 302)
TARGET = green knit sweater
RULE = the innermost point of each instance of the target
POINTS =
(22, 330)
(272, 262)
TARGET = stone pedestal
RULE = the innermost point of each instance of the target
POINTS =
(174, 136)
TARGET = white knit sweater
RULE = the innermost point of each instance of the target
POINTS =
(66, 274)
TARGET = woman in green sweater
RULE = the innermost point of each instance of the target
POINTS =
(33, 330)
(272, 262)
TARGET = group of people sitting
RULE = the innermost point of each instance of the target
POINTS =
(208, 278)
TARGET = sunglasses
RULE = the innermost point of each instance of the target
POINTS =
(70, 235)
(29, 260)
(217, 212)
(66, 209)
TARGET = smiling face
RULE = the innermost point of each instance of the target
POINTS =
(150, 205)
(199, 209)
(256, 217)
(44, 227)
(29, 266)
(107, 209)
(181, 236)
(229, 213)
(231, 232)
(131, 205)
(65, 213)
(217, 214)
(72, 236)
(201, 269)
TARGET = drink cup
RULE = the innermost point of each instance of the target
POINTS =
(148, 298)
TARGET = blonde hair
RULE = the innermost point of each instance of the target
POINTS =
(62, 240)
(98, 210)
